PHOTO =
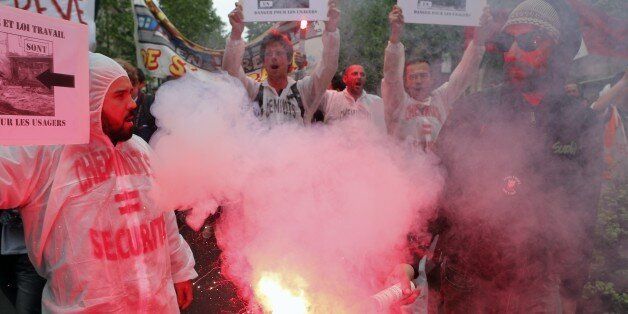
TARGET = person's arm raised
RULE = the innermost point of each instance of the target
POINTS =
(234, 52)
(468, 68)
(315, 85)
(393, 91)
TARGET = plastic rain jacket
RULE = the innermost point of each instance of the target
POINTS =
(90, 226)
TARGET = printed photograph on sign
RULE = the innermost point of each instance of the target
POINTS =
(443, 4)
(283, 4)
(24, 63)
(442, 12)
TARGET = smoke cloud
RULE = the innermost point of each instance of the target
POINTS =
(324, 210)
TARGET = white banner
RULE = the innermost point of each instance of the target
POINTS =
(284, 10)
(444, 12)
(80, 11)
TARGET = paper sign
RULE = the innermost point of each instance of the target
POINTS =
(444, 12)
(284, 10)
(44, 73)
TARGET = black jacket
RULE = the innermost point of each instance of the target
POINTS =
(521, 191)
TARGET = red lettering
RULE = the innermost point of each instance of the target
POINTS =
(162, 227)
(107, 158)
(110, 251)
(27, 6)
(177, 66)
(95, 169)
(135, 242)
(138, 163)
(156, 226)
(100, 165)
(130, 201)
(24, 7)
(135, 164)
(93, 235)
(67, 15)
(131, 208)
(128, 242)
(147, 241)
(85, 181)
(151, 58)
(79, 12)
(126, 166)
(123, 232)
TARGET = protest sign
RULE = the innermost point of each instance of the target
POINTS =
(444, 12)
(284, 10)
(44, 80)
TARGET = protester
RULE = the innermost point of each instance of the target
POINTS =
(615, 94)
(573, 90)
(336, 83)
(92, 228)
(144, 123)
(613, 101)
(280, 99)
(415, 113)
(19, 280)
(353, 101)
(524, 166)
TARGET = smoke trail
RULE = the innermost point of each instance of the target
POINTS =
(326, 208)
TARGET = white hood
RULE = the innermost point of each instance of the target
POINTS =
(103, 71)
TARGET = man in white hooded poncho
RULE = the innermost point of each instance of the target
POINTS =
(91, 227)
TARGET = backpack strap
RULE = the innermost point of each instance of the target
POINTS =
(260, 99)
(296, 95)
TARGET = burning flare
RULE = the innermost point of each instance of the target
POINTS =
(276, 297)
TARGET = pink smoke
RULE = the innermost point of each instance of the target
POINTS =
(329, 204)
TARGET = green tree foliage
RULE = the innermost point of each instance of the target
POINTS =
(256, 29)
(197, 20)
(607, 291)
(114, 29)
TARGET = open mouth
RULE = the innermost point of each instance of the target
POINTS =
(274, 67)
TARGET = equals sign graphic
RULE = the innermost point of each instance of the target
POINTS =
(129, 202)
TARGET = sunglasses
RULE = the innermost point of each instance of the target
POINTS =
(529, 41)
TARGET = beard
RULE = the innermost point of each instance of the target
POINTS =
(117, 134)
(356, 89)
(526, 77)
(122, 135)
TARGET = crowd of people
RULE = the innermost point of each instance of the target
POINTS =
(527, 154)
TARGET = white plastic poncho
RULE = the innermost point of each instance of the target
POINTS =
(91, 228)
